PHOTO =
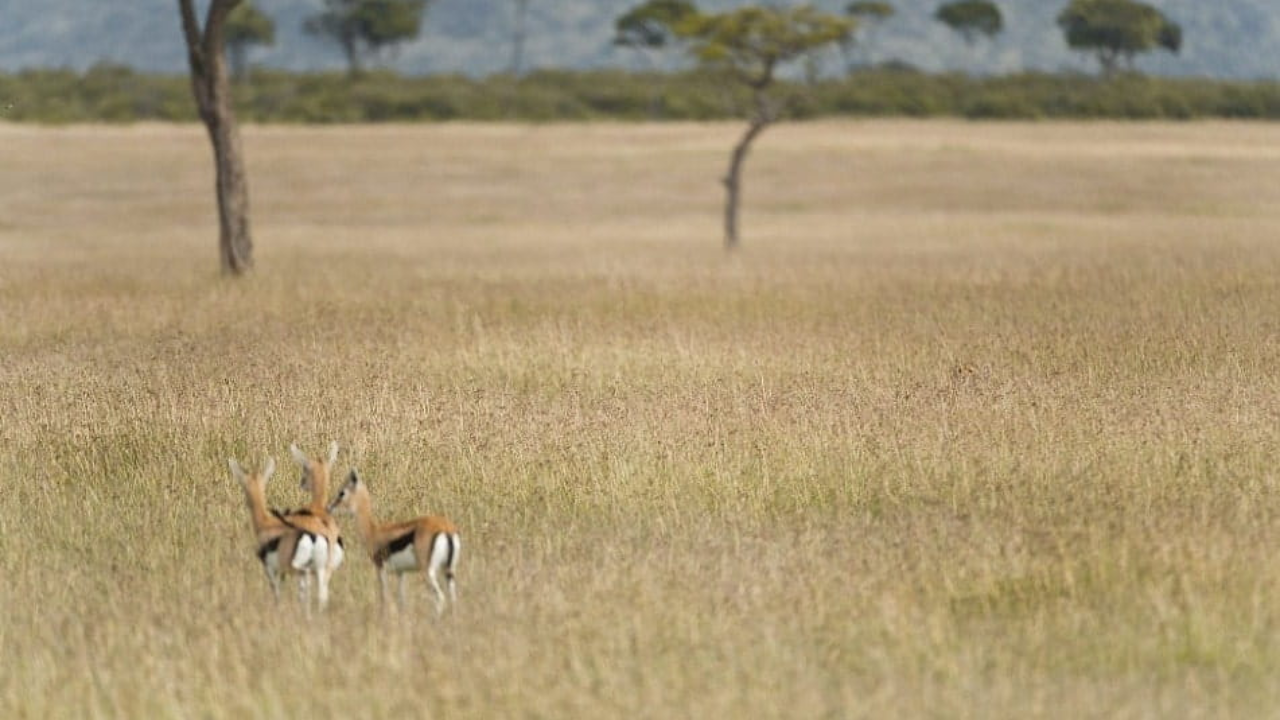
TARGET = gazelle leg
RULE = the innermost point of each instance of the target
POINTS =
(274, 579)
(435, 585)
(400, 589)
(382, 587)
(304, 591)
(456, 545)
(322, 587)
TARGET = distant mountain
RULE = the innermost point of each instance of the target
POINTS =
(1223, 38)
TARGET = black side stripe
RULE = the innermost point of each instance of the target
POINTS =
(400, 543)
(267, 548)
(281, 517)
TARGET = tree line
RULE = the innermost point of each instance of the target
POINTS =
(1115, 32)
(119, 94)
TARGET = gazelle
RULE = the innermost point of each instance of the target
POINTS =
(429, 543)
(284, 547)
(315, 479)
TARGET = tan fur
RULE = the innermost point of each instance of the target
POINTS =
(267, 527)
(378, 537)
(315, 478)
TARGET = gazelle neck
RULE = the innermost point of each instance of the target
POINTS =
(366, 523)
(256, 498)
(319, 489)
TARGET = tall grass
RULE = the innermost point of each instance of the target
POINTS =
(982, 423)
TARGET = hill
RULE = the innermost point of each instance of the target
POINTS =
(1228, 39)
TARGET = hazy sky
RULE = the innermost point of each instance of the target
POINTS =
(1225, 37)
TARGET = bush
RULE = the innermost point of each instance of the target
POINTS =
(111, 93)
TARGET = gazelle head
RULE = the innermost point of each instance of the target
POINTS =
(252, 481)
(314, 470)
(344, 503)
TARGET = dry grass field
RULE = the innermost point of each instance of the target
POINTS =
(983, 422)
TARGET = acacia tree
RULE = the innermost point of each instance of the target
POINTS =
(209, 84)
(366, 27)
(869, 14)
(1117, 30)
(649, 30)
(749, 45)
(246, 27)
(971, 19)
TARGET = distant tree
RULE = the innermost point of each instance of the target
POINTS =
(206, 51)
(971, 19)
(246, 26)
(519, 34)
(869, 14)
(748, 45)
(367, 27)
(1117, 31)
(649, 30)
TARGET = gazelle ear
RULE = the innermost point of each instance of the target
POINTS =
(353, 477)
(269, 470)
(236, 471)
(333, 451)
(298, 456)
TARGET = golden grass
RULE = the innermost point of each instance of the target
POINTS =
(982, 423)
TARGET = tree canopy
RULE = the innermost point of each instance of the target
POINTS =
(751, 42)
(246, 26)
(869, 10)
(972, 19)
(363, 27)
(1115, 30)
(868, 14)
(652, 25)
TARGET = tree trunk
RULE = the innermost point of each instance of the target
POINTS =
(351, 49)
(733, 180)
(518, 37)
(233, 198)
(212, 92)
(1108, 59)
(658, 90)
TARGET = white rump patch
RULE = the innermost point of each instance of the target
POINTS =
(320, 554)
(303, 552)
(439, 550)
(337, 555)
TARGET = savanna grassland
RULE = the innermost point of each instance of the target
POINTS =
(983, 422)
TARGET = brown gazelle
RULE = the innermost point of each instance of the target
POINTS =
(284, 547)
(428, 543)
(315, 480)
